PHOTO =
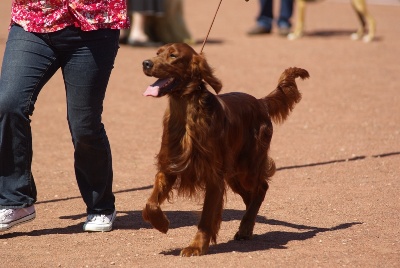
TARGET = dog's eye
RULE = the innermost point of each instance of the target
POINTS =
(172, 55)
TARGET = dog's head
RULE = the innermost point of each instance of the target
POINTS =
(180, 70)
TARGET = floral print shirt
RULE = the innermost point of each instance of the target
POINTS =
(45, 16)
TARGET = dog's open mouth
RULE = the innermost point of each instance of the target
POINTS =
(161, 87)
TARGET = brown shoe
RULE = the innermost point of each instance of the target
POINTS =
(258, 29)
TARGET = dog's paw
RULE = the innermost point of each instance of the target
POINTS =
(191, 251)
(243, 236)
(294, 36)
(355, 36)
(367, 39)
(157, 218)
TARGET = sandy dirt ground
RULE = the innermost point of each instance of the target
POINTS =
(335, 200)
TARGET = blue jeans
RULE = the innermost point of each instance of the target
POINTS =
(30, 60)
(266, 17)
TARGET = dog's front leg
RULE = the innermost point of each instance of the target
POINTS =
(152, 212)
(210, 222)
(300, 20)
(360, 7)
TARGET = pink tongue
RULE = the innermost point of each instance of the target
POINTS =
(151, 91)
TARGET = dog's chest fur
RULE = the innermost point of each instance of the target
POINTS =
(189, 135)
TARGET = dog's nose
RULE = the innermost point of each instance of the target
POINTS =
(147, 64)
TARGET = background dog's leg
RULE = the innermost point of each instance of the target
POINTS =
(360, 7)
(210, 221)
(152, 212)
(252, 207)
(300, 20)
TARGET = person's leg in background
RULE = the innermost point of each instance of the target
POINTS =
(264, 19)
(286, 11)
(142, 12)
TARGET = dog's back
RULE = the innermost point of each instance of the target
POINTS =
(279, 103)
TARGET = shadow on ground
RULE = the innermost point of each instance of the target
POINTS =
(127, 220)
(133, 220)
(269, 240)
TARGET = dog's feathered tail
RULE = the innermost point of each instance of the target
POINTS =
(282, 100)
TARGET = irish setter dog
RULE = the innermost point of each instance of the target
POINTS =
(210, 141)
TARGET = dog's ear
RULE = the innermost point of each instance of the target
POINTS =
(206, 72)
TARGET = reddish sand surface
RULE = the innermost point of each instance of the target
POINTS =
(335, 200)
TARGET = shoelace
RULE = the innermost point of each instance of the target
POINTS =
(102, 218)
(5, 213)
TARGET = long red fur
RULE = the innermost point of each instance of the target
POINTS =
(212, 141)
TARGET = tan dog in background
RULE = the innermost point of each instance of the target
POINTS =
(366, 31)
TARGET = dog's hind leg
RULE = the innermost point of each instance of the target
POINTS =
(360, 7)
(252, 207)
(152, 212)
(210, 221)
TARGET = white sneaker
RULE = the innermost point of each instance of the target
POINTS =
(10, 217)
(99, 223)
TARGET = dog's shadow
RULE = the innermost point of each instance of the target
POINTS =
(269, 240)
(274, 239)
(328, 33)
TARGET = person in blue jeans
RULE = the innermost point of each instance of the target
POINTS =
(265, 19)
(69, 36)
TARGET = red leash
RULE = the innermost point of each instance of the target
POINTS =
(209, 30)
